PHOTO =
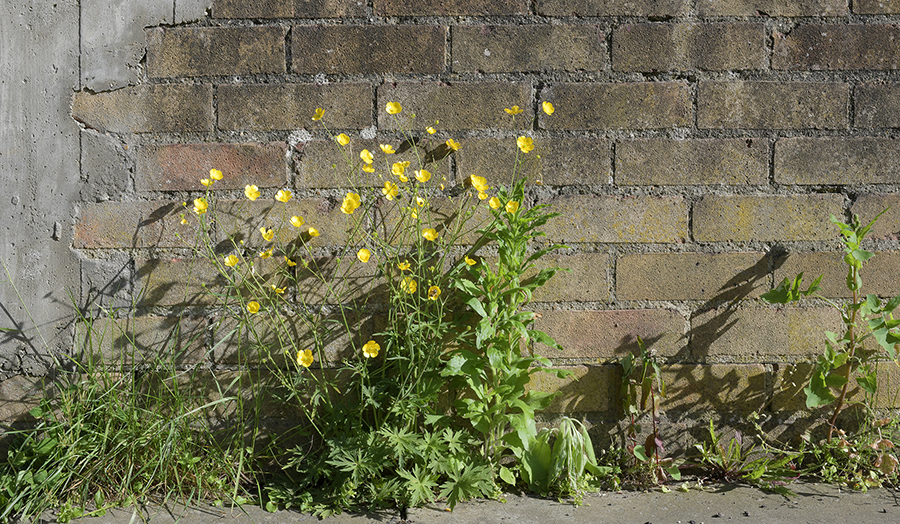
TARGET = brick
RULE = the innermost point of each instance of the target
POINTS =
(613, 219)
(813, 47)
(146, 108)
(762, 334)
(348, 280)
(878, 274)
(688, 46)
(772, 105)
(655, 8)
(608, 335)
(660, 161)
(325, 164)
(208, 51)
(867, 207)
(180, 167)
(837, 161)
(166, 282)
(741, 218)
(636, 105)
(291, 106)
(20, 394)
(722, 388)
(445, 215)
(790, 381)
(288, 9)
(588, 389)
(517, 48)
(877, 105)
(691, 276)
(876, 7)
(450, 7)
(585, 280)
(457, 106)
(772, 7)
(158, 341)
(346, 49)
(123, 225)
(240, 221)
(562, 162)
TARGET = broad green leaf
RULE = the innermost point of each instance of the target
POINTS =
(868, 382)
(817, 392)
(507, 476)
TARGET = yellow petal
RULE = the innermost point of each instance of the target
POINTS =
(514, 110)
(548, 108)
(215, 174)
(387, 149)
(342, 139)
(363, 255)
(525, 143)
(297, 221)
(393, 108)
(319, 114)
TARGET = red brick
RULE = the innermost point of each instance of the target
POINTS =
(660, 161)
(655, 8)
(772, 7)
(877, 105)
(180, 167)
(449, 7)
(288, 8)
(124, 225)
(744, 218)
(346, 49)
(846, 161)
(517, 48)
(146, 108)
(207, 51)
(637, 105)
(613, 219)
(773, 105)
(813, 47)
(291, 106)
(691, 276)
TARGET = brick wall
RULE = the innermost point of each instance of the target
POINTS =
(697, 151)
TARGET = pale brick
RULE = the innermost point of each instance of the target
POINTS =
(208, 51)
(654, 8)
(878, 274)
(162, 282)
(613, 219)
(326, 164)
(180, 167)
(124, 225)
(588, 389)
(146, 108)
(845, 161)
(813, 47)
(658, 161)
(691, 276)
(450, 7)
(288, 8)
(636, 105)
(347, 280)
(583, 278)
(742, 218)
(20, 394)
(722, 388)
(291, 106)
(516, 48)
(876, 7)
(772, 105)
(772, 7)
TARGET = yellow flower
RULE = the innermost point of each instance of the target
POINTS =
(420, 201)
(370, 349)
(231, 260)
(252, 192)
(452, 144)
(482, 195)
(525, 143)
(297, 221)
(434, 292)
(512, 206)
(470, 261)
(200, 205)
(393, 108)
(183, 220)
(215, 174)
(278, 290)
(363, 255)
(430, 234)
(283, 195)
(494, 202)
(431, 130)
(368, 169)
(266, 254)
(342, 139)
(313, 232)
(267, 234)
(514, 110)
(399, 168)
(253, 307)
(387, 149)
(548, 108)
(479, 183)
(206, 182)
(423, 176)
(413, 213)
(403, 266)
(441, 186)
(366, 156)
(408, 284)
(304, 358)
(390, 190)
(351, 202)
(319, 114)
(290, 262)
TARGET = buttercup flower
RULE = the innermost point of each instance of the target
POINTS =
(200, 205)
(452, 144)
(393, 108)
(408, 284)
(387, 149)
(420, 201)
(494, 202)
(283, 195)
(297, 221)
(514, 110)
(304, 358)
(431, 130)
(430, 234)
(482, 195)
(525, 143)
(470, 261)
(278, 290)
(423, 176)
(390, 190)
(290, 262)
(206, 182)
(479, 183)
(413, 213)
(267, 234)
(548, 108)
(434, 292)
(363, 255)
(403, 266)
(183, 220)
(370, 349)
(251, 192)
(215, 174)
(398, 170)
(366, 155)
(253, 307)
(231, 260)
(319, 114)
(313, 232)
(266, 254)
(512, 206)
(342, 139)
(351, 202)
(368, 169)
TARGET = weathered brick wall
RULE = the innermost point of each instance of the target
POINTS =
(696, 154)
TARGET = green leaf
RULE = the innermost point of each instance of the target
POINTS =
(869, 382)
(507, 476)
(817, 392)
(640, 454)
